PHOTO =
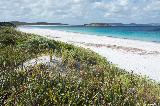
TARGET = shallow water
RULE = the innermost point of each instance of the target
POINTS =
(143, 33)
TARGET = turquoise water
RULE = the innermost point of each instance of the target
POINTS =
(143, 33)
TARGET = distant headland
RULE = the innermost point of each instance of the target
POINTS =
(35, 23)
(121, 24)
(17, 23)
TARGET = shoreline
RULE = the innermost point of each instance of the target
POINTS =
(36, 30)
(124, 53)
(110, 36)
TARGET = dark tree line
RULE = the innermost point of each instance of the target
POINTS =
(7, 24)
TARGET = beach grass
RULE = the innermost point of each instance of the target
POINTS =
(82, 77)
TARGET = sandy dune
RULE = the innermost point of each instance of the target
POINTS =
(137, 56)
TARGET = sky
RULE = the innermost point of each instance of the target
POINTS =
(81, 11)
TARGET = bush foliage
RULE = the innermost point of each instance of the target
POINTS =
(82, 78)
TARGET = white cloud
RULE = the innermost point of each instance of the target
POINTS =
(81, 11)
(123, 2)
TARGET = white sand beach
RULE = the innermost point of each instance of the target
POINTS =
(132, 55)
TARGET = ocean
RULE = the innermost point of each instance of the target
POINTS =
(143, 33)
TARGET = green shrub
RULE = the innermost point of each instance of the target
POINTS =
(82, 78)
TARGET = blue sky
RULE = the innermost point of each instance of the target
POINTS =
(81, 11)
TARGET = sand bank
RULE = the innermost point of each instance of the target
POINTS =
(132, 55)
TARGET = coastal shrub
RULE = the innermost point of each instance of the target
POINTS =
(81, 77)
(9, 36)
(7, 24)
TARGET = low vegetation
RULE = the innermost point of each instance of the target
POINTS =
(82, 78)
